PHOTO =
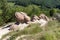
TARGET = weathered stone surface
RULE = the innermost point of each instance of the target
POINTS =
(22, 17)
(35, 17)
(43, 16)
(14, 27)
(19, 17)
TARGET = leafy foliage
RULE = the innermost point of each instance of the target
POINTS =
(43, 3)
(31, 7)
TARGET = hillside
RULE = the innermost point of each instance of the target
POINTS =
(35, 32)
(22, 20)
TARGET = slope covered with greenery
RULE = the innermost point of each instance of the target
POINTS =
(31, 7)
(50, 32)
(49, 7)
(42, 3)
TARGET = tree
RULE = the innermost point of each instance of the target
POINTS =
(7, 11)
(42, 3)
(23, 2)
(4, 8)
(52, 12)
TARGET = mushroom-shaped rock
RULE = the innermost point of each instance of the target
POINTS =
(26, 17)
(22, 17)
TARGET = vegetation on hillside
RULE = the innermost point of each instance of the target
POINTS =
(49, 7)
(50, 32)
(31, 7)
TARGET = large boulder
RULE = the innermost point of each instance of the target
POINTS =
(27, 19)
(14, 27)
(22, 17)
(19, 17)
(35, 17)
(42, 22)
(43, 16)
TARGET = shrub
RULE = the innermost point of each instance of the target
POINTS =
(52, 12)
(32, 10)
(9, 14)
(50, 36)
(1, 21)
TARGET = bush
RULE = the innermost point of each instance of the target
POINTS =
(1, 21)
(52, 12)
(19, 8)
(9, 14)
(0, 12)
(23, 3)
(32, 10)
(50, 36)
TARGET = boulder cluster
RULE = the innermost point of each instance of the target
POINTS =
(23, 18)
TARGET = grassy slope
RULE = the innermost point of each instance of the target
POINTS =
(50, 32)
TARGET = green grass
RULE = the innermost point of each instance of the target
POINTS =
(51, 32)
(32, 29)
